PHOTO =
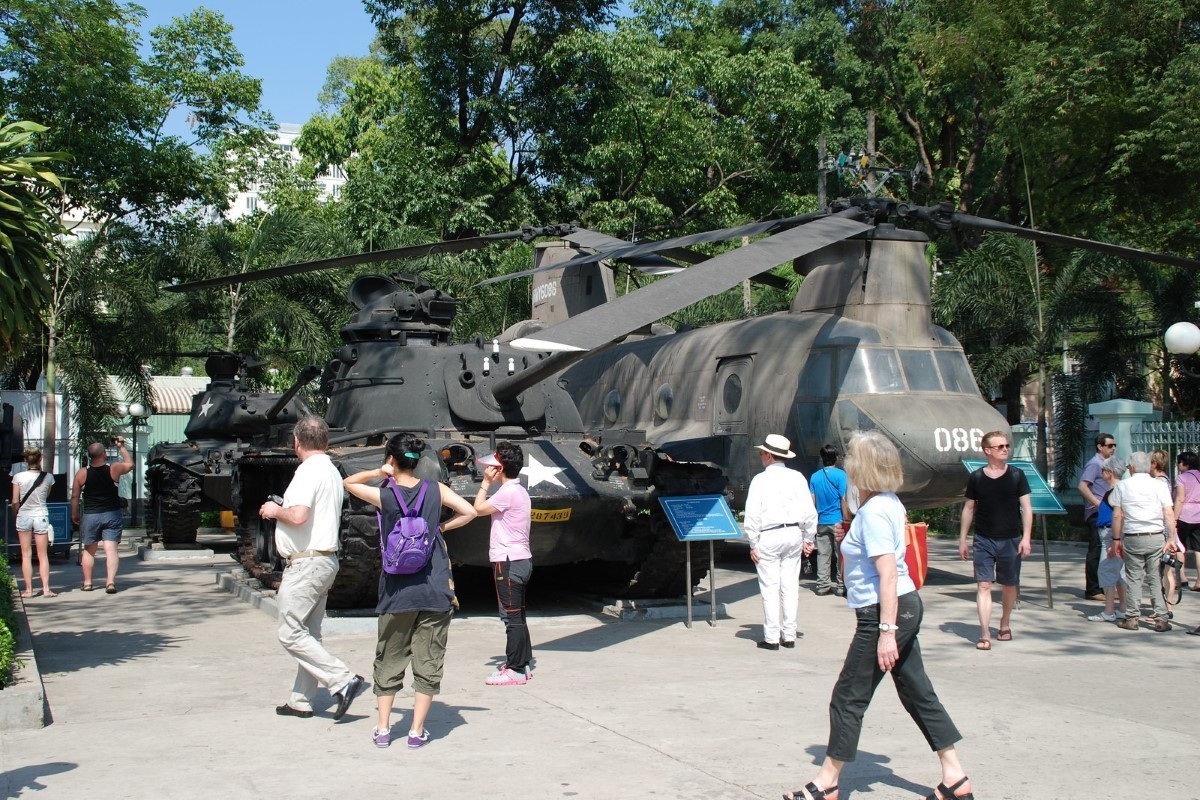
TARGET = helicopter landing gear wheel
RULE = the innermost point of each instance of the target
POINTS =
(176, 506)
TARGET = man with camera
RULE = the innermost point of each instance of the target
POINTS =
(1142, 515)
(101, 518)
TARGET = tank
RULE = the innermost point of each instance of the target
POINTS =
(228, 421)
(594, 498)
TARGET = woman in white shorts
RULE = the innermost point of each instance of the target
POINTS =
(30, 490)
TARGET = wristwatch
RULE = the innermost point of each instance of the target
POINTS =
(887, 626)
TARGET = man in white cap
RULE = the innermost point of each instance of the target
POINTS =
(780, 522)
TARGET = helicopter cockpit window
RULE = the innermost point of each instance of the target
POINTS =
(956, 372)
(731, 393)
(919, 369)
(873, 371)
(612, 405)
(815, 378)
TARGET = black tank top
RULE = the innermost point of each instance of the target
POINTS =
(100, 491)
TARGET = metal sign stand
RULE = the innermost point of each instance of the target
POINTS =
(712, 586)
(1046, 562)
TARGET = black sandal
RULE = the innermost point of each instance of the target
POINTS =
(945, 792)
(813, 792)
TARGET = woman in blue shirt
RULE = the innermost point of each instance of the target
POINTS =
(889, 610)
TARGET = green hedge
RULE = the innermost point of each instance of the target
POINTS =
(8, 623)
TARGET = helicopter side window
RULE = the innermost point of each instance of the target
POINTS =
(919, 369)
(956, 372)
(731, 393)
(873, 370)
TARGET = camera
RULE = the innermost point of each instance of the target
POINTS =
(1171, 561)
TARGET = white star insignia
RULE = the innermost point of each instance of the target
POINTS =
(540, 473)
(205, 407)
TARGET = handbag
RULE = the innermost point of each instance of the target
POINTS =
(916, 552)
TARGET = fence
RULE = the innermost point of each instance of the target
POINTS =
(1174, 437)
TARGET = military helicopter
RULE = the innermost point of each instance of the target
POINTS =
(614, 411)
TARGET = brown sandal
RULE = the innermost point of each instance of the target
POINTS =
(983, 644)
(1005, 635)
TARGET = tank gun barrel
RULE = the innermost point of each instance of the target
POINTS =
(306, 376)
(510, 387)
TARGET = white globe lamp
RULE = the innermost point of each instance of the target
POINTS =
(1182, 338)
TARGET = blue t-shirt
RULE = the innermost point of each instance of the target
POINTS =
(828, 485)
(878, 528)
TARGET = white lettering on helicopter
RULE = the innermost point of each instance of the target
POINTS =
(544, 292)
(957, 439)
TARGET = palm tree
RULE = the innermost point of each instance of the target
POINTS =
(27, 229)
(297, 317)
(1013, 315)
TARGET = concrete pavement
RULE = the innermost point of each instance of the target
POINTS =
(168, 688)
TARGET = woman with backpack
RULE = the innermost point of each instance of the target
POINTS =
(414, 607)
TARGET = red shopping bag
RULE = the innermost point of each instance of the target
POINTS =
(916, 552)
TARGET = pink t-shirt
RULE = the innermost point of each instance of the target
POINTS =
(510, 523)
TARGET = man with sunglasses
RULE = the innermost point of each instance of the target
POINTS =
(1093, 487)
(999, 506)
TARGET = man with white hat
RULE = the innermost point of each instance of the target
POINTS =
(780, 522)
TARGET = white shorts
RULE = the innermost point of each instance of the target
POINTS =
(36, 521)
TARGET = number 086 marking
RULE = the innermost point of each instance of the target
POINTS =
(957, 439)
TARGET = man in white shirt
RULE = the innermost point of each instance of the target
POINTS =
(781, 523)
(1142, 511)
(306, 536)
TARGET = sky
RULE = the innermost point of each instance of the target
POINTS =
(287, 44)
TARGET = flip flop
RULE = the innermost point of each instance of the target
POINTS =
(48, 593)
(26, 594)
(983, 644)
(1005, 635)
(87, 587)
(1194, 631)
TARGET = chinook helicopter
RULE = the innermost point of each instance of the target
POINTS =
(613, 411)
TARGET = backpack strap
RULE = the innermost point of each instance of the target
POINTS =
(37, 482)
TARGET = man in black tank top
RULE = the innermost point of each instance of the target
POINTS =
(102, 518)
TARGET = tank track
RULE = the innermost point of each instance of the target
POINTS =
(175, 505)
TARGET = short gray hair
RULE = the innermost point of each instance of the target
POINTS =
(1114, 464)
(1139, 461)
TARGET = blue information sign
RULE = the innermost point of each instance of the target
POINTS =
(60, 519)
(698, 517)
(1041, 496)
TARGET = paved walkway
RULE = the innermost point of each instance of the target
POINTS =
(168, 689)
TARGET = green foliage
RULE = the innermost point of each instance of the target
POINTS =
(27, 228)
(78, 67)
(1070, 419)
(8, 623)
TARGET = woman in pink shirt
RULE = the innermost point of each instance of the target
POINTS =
(1187, 507)
(512, 560)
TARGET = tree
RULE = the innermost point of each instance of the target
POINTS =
(76, 66)
(27, 228)
(294, 318)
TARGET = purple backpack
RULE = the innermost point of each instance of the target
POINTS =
(407, 547)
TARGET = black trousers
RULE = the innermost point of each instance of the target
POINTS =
(511, 579)
(861, 676)
(1091, 564)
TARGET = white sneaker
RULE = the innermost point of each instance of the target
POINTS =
(1102, 617)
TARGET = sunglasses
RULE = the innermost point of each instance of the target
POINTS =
(1109, 444)
(998, 447)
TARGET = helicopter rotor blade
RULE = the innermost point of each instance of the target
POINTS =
(943, 217)
(618, 318)
(650, 261)
(392, 254)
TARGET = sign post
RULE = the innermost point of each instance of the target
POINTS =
(1043, 500)
(701, 517)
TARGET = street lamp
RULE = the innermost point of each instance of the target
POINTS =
(138, 414)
